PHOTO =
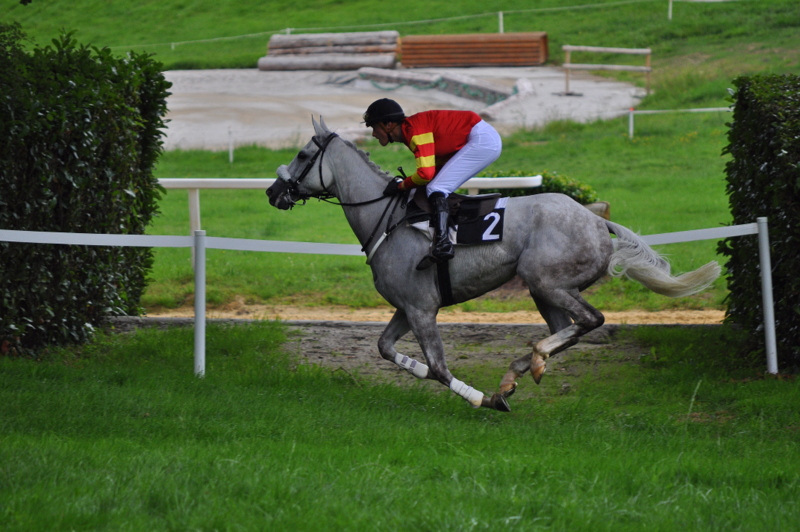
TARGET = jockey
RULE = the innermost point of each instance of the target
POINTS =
(450, 147)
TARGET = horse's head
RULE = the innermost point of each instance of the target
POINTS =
(303, 178)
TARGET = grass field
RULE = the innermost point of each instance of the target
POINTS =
(213, 34)
(119, 435)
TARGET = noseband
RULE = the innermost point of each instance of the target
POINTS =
(291, 185)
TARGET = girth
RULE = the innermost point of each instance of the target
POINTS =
(463, 209)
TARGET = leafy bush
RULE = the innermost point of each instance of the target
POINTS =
(551, 182)
(764, 180)
(81, 134)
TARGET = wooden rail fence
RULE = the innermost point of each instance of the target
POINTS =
(474, 49)
(383, 49)
(569, 65)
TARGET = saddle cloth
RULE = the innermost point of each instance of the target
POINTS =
(473, 219)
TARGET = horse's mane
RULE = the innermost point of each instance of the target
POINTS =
(365, 156)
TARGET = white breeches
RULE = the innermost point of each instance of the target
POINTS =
(482, 149)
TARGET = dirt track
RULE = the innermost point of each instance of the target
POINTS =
(478, 349)
(240, 310)
(344, 339)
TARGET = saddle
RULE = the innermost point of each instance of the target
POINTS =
(463, 209)
(476, 220)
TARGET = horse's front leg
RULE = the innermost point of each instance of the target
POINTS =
(397, 328)
(424, 326)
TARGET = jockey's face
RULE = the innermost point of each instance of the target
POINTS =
(385, 132)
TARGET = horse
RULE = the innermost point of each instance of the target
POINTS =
(557, 246)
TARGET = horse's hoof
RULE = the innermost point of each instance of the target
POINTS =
(507, 390)
(497, 402)
(538, 367)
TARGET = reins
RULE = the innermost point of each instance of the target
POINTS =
(391, 206)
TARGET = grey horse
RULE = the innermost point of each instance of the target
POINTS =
(557, 246)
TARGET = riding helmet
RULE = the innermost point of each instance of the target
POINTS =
(383, 110)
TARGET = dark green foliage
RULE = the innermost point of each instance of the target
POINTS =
(81, 134)
(551, 182)
(764, 180)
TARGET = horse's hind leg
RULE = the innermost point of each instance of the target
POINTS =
(584, 319)
(557, 319)
(397, 328)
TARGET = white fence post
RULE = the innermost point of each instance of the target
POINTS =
(500, 21)
(630, 123)
(765, 264)
(230, 145)
(194, 210)
(194, 214)
(200, 303)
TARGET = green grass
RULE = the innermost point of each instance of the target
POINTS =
(245, 27)
(118, 435)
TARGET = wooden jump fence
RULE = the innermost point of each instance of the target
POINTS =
(569, 65)
(383, 49)
(474, 49)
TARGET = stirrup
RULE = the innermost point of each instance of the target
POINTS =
(430, 259)
(426, 262)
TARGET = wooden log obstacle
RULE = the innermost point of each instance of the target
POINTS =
(383, 49)
(331, 51)
(569, 65)
(474, 49)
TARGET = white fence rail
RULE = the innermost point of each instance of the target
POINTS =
(200, 242)
(568, 65)
(194, 185)
(633, 112)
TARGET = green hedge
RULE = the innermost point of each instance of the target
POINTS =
(551, 182)
(763, 179)
(81, 132)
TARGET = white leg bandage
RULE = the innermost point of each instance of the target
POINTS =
(417, 369)
(473, 396)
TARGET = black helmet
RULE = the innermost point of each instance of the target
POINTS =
(383, 110)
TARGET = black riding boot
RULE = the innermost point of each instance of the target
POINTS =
(441, 247)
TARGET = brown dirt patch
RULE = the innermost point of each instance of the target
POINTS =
(240, 310)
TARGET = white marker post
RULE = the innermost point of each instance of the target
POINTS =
(200, 303)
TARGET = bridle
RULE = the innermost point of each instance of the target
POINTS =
(326, 195)
(292, 184)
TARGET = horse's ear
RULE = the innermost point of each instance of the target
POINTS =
(317, 128)
(324, 126)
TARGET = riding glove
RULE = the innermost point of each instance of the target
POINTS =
(393, 188)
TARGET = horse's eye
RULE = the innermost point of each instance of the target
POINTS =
(302, 156)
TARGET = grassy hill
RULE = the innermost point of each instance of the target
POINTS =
(701, 40)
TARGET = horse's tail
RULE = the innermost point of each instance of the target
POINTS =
(635, 259)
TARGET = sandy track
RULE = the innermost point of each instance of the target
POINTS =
(238, 310)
